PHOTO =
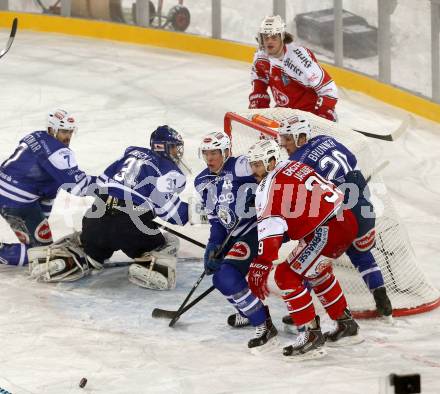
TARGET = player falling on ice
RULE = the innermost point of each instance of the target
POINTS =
(336, 163)
(29, 182)
(292, 198)
(291, 71)
(141, 185)
(226, 188)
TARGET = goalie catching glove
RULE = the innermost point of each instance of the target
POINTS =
(63, 261)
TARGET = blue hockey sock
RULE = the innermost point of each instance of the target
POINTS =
(367, 267)
(13, 254)
(232, 284)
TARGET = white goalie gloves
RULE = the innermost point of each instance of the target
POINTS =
(63, 261)
(157, 269)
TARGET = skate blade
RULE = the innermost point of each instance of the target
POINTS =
(311, 355)
(290, 329)
(271, 346)
(346, 341)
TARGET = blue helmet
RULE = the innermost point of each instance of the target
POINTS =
(164, 139)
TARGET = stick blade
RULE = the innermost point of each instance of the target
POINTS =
(159, 313)
(14, 27)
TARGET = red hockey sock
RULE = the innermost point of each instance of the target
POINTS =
(329, 292)
(296, 296)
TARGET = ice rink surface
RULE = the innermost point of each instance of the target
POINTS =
(101, 327)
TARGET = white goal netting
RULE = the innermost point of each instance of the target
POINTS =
(408, 288)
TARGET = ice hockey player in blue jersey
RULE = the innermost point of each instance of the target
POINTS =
(141, 185)
(226, 189)
(337, 163)
(30, 179)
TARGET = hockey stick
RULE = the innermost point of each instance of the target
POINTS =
(158, 312)
(388, 137)
(119, 264)
(180, 235)
(167, 314)
(11, 38)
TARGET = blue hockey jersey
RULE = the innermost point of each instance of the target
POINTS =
(226, 197)
(148, 179)
(327, 157)
(37, 169)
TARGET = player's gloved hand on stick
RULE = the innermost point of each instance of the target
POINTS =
(212, 263)
(257, 278)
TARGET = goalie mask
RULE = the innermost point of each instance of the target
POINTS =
(168, 143)
(60, 119)
(295, 126)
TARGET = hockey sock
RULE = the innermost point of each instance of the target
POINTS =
(232, 284)
(329, 292)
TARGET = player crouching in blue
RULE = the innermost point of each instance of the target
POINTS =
(226, 187)
(336, 163)
(141, 185)
(29, 181)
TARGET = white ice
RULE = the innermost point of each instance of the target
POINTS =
(101, 327)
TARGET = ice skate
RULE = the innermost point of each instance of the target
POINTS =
(346, 332)
(265, 337)
(383, 303)
(236, 320)
(309, 343)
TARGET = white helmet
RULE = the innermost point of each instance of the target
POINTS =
(216, 140)
(272, 25)
(264, 150)
(295, 126)
(61, 120)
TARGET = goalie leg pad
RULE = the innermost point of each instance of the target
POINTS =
(160, 272)
(63, 261)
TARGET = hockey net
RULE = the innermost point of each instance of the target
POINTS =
(408, 288)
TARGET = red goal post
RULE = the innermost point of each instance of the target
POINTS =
(407, 286)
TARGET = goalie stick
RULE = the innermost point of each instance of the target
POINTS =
(11, 38)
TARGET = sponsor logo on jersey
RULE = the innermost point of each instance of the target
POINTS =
(303, 58)
(304, 261)
(239, 251)
(366, 242)
(22, 236)
(43, 233)
(281, 99)
(288, 63)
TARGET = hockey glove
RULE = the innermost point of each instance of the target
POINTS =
(212, 261)
(259, 100)
(325, 108)
(257, 278)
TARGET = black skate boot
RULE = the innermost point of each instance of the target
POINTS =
(264, 333)
(346, 331)
(289, 326)
(308, 343)
(383, 303)
(236, 320)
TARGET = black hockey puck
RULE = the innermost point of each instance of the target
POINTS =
(82, 383)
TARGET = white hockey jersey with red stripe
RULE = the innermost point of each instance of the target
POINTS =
(297, 81)
(294, 198)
